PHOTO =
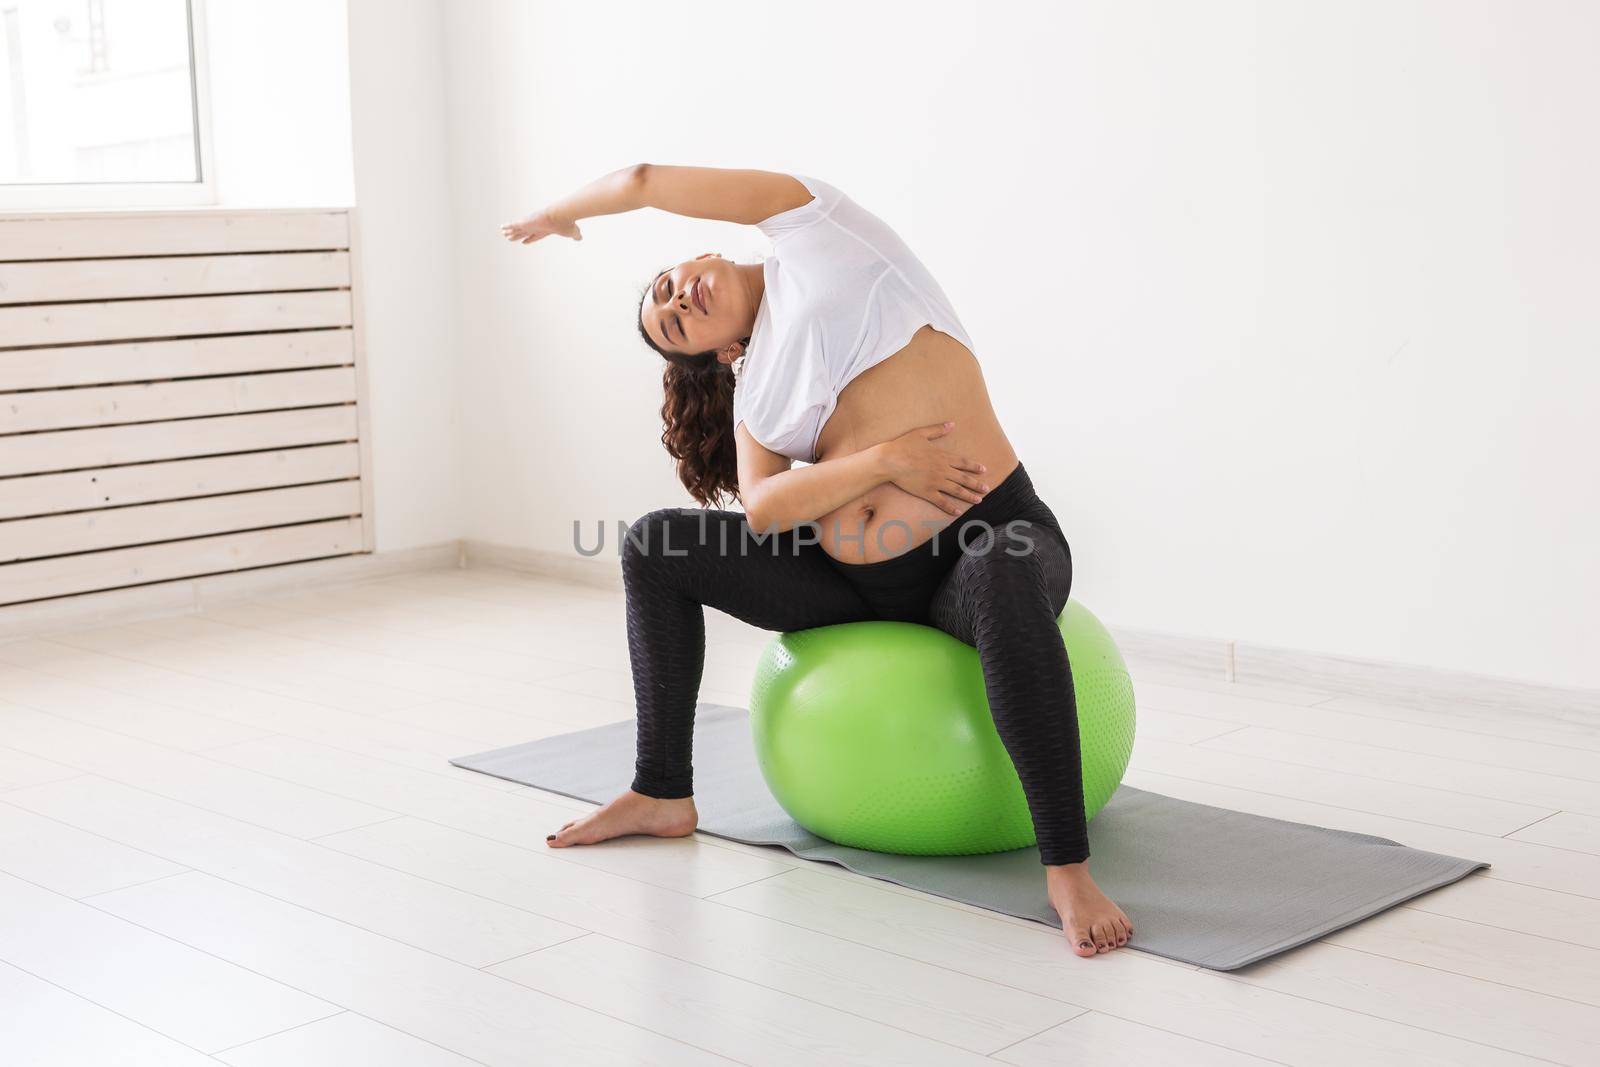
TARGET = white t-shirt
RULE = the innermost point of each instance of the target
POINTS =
(843, 293)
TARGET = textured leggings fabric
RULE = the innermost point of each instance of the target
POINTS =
(996, 578)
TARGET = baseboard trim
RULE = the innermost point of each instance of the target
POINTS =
(602, 571)
(1184, 655)
(1202, 657)
(1408, 684)
(189, 595)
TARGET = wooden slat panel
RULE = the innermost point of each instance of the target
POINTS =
(62, 450)
(58, 281)
(178, 396)
(151, 401)
(180, 559)
(49, 368)
(49, 494)
(170, 234)
(126, 320)
(57, 535)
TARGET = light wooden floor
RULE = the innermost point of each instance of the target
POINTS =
(233, 837)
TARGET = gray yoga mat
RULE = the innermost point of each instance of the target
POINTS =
(1202, 884)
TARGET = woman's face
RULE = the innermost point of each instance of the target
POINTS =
(700, 305)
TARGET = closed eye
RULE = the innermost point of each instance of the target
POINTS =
(661, 298)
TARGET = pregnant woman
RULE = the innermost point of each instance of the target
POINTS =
(841, 351)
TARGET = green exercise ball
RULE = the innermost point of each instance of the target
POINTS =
(877, 735)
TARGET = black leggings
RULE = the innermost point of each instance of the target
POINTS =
(996, 578)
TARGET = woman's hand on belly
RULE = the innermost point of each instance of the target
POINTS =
(929, 488)
(878, 525)
(928, 471)
(929, 483)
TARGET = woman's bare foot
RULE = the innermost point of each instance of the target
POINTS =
(630, 813)
(1091, 922)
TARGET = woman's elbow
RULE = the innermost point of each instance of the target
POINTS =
(761, 516)
(757, 518)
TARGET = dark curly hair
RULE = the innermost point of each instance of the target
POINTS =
(697, 419)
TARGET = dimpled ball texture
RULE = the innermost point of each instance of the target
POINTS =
(877, 735)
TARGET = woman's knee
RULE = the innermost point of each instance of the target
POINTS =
(661, 536)
(1006, 571)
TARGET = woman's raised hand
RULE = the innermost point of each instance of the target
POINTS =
(542, 224)
(926, 470)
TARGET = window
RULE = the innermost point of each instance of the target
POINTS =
(102, 104)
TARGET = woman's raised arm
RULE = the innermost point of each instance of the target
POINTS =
(743, 196)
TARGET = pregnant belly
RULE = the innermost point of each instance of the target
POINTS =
(931, 380)
(881, 524)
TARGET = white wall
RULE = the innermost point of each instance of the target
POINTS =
(1289, 307)
(406, 212)
(327, 103)
(280, 102)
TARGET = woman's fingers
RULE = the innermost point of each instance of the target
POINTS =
(938, 429)
(939, 499)
(970, 480)
(976, 484)
(520, 232)
(961, 492)
(936, 498)
(526, 231)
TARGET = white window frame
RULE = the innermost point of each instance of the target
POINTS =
(117, 195)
